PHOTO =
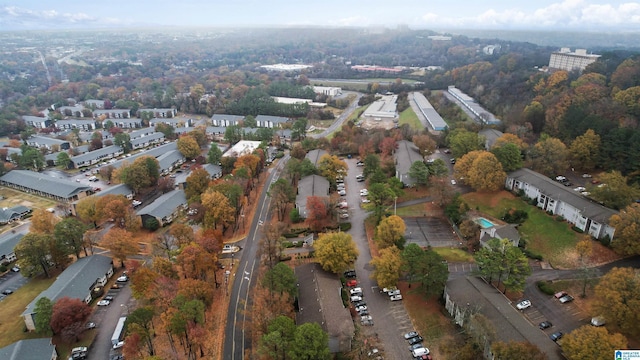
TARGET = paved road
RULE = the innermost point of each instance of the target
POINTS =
(245, 276)
(341, 119)
(106, 318)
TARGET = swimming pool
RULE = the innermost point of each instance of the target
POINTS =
(484, 223)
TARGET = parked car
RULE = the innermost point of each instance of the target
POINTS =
(356, 298)
(545, 325)
(361, 308)
(344, 216)
(123, 278)
(395, 297)
(15, 268)
(566, 299)
(108, 298)
(410, 334)
(419, 352)
(118, 345)
(415, 340)
(453, 182)
(349, 274)
(352, 282)
(90, 325)
(104, 303)
(556, 336)
(393, 292)
(523, 304)
(560, 294)
(598, 321)
(586, 176)
(342, 193)
(7, 291)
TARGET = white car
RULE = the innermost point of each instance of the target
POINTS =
(344, 216)
(395, 297)
(118, 345)
(523, 304)
(453, 182)
(579, 189)
(342, 193)
(393, 292)
(364, 192)
(361, 308)
(365, 200)
(104, 303)
(122, 278)
(356, 298)
(355, 291)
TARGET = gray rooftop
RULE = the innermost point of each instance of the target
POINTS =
(75, 281)
(169, 159)
(315, 155)
(43, 183)
(60, 123)
(120, 189)
(7, 213)
(273, 119)
(30, 349)
(46, 140)
(213, 170)
(434, 119)
(34, 118)
(133, 134)
(557, 191)
(96, 154)
(312, 185)
(406, 154)
(155, 151)
(165, 205)
(8, 242)
(230, 118)
(147, 138)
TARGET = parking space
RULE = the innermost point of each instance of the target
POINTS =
(430, 231)
(462, 267)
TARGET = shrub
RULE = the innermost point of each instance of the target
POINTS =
(559, 218)
(533, 202)
(151, 224)
(3, 268)
(515, 216)
(606, 240)
(295, 216)
(545, 287)
(345, 226)
(577, 229)
(532, 255)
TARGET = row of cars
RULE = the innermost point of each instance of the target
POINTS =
(106, 301)
(417, 349)
(356, 296)
(563, 297)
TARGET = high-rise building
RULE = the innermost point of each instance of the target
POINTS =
(570, 61)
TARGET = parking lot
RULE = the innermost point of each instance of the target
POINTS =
(430, 231)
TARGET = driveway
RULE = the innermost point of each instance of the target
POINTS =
(11, 281)
(106, 318)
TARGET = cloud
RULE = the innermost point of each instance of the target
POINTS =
(13, 17)
(568, 14)
(350, 21)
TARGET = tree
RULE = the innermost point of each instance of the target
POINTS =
(614, 192)
(501, 261)
(336, 252)
(317, 216)
(143, 173)
(197, 183)
(438, 168)
(591, 342)
(233, 134)
(218, 210)
(214, 155)
(282, 194)
(627, 228)
(87, 210)
(121, 244)
(371, 165)
(462, 141)
(188, 147)
(33, 252)
(63, 160)
(43, 222)
(310, 342)
(115, 207)
(549, 156)
(330, 166)
(387, 267)
(419, 172)
(486, 173)
(390, 232)
(281, 279)
(70, 232)
(43, 312)
(509, 156)
(425, 144)
(123, 140)
(68, 312)
(277, 341)
(299, 129)
(585, 150)
(616, 298)
(517, 350)
(510, 139)
(425, 267)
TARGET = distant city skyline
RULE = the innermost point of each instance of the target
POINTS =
(571, 15)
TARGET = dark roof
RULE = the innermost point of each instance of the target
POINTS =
(169, 159)
(165, 205)
(75, 281)
(96, 154)
(30, 349)
(315, 155)
(478, 297)
(43, 183)
(320, 302)
(7, 214)
(147, 138)
(120, 189)
(553, 189)
(405, 155)
(213, 170)
(8, 242)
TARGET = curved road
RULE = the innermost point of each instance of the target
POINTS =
(341, 119)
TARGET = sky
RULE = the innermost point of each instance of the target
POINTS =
(570, 15)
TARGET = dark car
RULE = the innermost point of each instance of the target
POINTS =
(349, 274)
(545, 325)
(410, 335)
(556, 336)
(415, 340)
(7, 292)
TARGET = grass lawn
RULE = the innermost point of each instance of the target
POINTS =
(11, 197)
(454, 255)
(410, 117)
(544, 235)
(13, 306)
(413, 210)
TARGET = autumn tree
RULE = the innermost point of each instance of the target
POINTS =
(188, 147)
(43, 222)
(70, 232)
(614, 192)
(627, 228)
(271, 244)
(87, 210)
(143, 282)
(330, 166)
(510, 139)
(33, 252)
(549, 156)
(282, 194)
(481, 170)
(426, 268)
(195, 262)
(42, 318)
(118, 208)
(517, 350)
(197, 183)
(425, 144)
(196, 289)
(121, 244)
(387, 267)
(68, 312)
(218, 211)
(592, 342)
(585, 150)
(390, 232)
(336, 252)
(616, 298)
(318, 215)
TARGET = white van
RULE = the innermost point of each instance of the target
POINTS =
(419, 352)
(598, 321)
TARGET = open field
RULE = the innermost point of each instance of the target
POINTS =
(13, 306)
(454, 255)
(13, 197)
(409, 117)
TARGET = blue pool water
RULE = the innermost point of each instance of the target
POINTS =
(484, 223)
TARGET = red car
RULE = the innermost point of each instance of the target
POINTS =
(352, 283)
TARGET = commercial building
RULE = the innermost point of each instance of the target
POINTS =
(436, 122)
(570, 61)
